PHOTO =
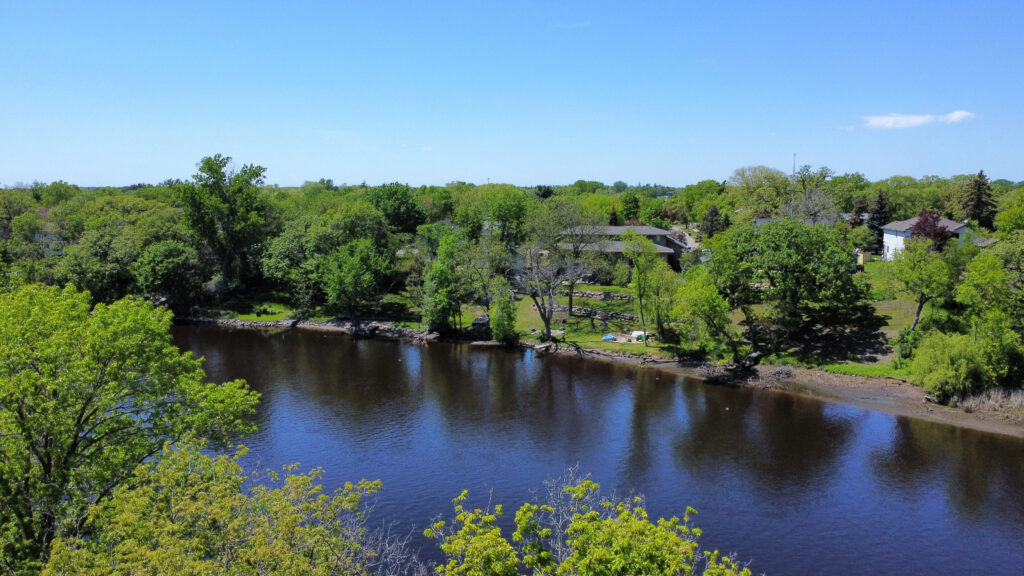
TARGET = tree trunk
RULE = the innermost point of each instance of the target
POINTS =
(544, 316)
(572, 288)
(643, 323)
(917, 315)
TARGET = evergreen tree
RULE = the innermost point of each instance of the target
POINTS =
(859, 207)
(974, 202)
(879, 215)
(713, 222)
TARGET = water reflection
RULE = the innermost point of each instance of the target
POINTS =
(783, 441)
(974, 478)
(774, 475)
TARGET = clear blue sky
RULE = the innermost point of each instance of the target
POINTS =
(113, 93)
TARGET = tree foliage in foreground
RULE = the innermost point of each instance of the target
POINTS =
(189, 513)
(575, 531)
(86, 394)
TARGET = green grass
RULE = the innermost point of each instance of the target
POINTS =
(881, 369)
(600, 288)
(585, 332)
(898, 314)
(874, 370)
(261, 311)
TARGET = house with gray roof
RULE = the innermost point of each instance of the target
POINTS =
(669, 247)
(895, 234)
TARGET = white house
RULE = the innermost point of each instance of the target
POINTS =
(895, 234)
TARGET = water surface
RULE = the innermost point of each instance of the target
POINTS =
(796, 485)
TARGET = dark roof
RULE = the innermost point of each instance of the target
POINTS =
(618, 230)
(616, 246)
(904, 225)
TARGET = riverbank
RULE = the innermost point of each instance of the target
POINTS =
(882, 394)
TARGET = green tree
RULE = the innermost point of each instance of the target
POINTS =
(704, 314)
(879, 215)
(575, 531)
(355, 274)
(448, 285)
(228, 211)
(503, 316)
(664, 284)
(922, 274)
(644, 258)
(169, 269)
(985, 285)
(760, 188)
(292, 258)
(13, 203)
(189, 513)
(630, 207)
(401, 209)
(948, 365)
(713, 222)
(509, 208)
(107, 235)
(1011, 251)
(52, 194)
(86, 394)
(802, 272)
(861, 237)
(1011, 214)
(693, 201)
(974, 201)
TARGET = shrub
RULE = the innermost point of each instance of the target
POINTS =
(503, 318)
(620, 276)
(949, 365)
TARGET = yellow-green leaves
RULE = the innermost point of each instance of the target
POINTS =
(85, 396)
(190, 513)
(575, 533)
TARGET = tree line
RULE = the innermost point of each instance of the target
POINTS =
(102, 420)
(771, 277)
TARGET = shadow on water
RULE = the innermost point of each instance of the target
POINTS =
(977, 473)
(780, 440)
(773, 474)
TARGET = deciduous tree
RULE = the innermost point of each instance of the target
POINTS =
(86, 394)
(921, 273)
(644, 258)
(190, 513)
(704, 314)
(229, 213)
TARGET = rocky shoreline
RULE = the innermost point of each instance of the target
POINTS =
(880, 394)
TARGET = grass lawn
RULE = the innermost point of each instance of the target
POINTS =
(872, 369)
(585, 332)
(262, 311)
(898, 314)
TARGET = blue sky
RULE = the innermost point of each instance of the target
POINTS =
(107, 93)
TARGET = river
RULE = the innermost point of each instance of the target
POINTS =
(794, 485)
